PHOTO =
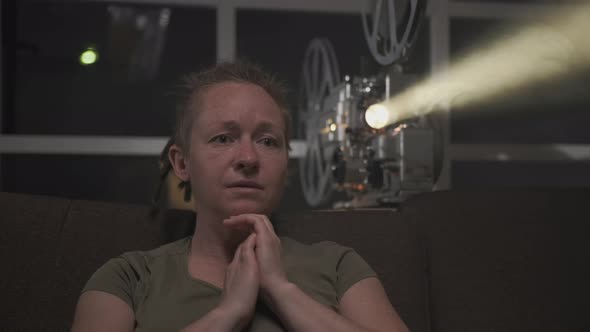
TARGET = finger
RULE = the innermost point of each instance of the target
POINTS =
(248, 247)
(268, 223)
(262, 219)
(260, 223)
(250, 242)
(240, 225)
(237, 254)
(247, 219)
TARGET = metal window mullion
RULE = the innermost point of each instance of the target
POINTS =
(520, 152)
(188, 3)
(439, 61)
(97, 145)
(152, 146)
(326, 6)
(1, 102)
(499, 10)
(226, 31)
(81, 145)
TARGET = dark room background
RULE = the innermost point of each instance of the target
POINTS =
(144, 48)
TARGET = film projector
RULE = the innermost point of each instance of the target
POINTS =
(346, 152)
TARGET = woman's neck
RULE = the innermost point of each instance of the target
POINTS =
(213, 240)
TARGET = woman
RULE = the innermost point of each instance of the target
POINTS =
(234, 273)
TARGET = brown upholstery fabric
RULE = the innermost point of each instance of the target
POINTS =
(51, 246)
(450, 261)
(28, 244)
(384, 240)
(506, 260)
(69, 240)
(94, 232)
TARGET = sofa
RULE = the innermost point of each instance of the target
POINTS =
(502, 260)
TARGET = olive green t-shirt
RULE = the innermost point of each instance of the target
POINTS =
(164, 297)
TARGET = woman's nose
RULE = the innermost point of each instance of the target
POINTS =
(247, 157)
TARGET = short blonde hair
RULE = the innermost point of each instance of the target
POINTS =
(196, 83)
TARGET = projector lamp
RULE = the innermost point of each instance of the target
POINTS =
(357, 145)
(350, 150)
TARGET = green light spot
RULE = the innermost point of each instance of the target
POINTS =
(88, 57)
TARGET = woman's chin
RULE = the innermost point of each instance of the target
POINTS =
(247, 208)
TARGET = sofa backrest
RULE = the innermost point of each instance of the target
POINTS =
(385, 240)
(450, 261)
(506, 260)
(50, 247)
(53, 245)
(31, 228)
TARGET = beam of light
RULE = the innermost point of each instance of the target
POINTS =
(549, 50)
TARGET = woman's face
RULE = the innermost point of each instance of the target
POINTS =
(238, 154)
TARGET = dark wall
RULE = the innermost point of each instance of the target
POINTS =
(47, 91)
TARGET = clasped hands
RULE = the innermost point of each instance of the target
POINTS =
(256, 266)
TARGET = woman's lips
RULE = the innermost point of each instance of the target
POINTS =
(245, 184)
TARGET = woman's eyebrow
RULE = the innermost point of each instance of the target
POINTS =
(265, 127)
(230, 125)
(262, 127)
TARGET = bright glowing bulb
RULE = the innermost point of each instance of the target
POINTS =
(333, 127)
(88, 57)
(377, 116)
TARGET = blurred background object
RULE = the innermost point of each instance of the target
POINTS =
(95, 131)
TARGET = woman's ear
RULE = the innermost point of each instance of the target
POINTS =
(179, 162)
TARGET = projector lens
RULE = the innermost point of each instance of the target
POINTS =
(377, 116)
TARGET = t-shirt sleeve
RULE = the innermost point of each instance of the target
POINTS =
(118, 276)
(351, 269)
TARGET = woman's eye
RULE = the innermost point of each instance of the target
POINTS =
(268, 141)
(221, 139)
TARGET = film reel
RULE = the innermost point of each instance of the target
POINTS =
(388, 18)
(320, 74)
